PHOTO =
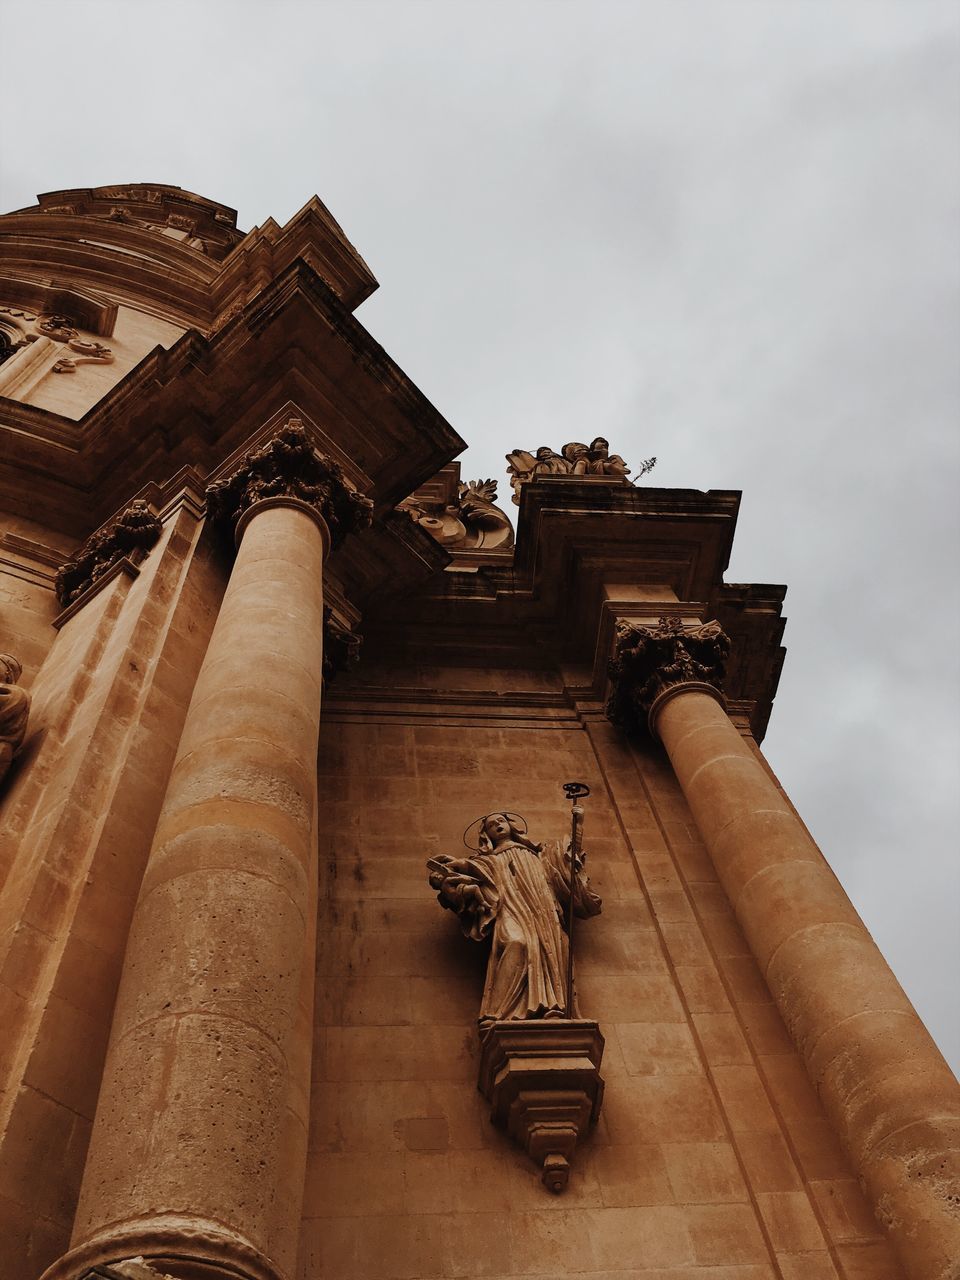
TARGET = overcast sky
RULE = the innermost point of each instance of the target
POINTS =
(724, 232)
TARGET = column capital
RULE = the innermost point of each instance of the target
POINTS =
(289, 467)
(130, 534)
(652, 664)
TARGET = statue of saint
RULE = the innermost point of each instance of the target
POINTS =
(523, 466)
(515, 893)
(14, 710)
(601, 462)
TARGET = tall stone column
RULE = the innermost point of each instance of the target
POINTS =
(882, 1080)
(199, 1143)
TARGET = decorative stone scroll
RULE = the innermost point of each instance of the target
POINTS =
(574, 459)
(14, 711)
(87, 353)
(540, 1062)
(648, 661)
(131, 535)
(472, 523)
(289, 466)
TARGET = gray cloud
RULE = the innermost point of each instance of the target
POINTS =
(724, 234)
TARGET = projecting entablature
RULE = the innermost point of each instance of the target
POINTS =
(590, 550)
(169, 253)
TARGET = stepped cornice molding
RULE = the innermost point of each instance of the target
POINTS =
(296, 345)
(102, 240)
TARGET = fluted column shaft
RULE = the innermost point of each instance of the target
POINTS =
(882, 1080)
(199, 1143)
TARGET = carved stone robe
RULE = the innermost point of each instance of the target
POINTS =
(516, 897)
(14, 709)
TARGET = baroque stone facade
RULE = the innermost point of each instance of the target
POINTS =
(272, 656)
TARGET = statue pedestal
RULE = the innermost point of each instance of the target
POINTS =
(542, 1079)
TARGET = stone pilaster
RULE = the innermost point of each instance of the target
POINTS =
(883, 1082)
(199, 1145)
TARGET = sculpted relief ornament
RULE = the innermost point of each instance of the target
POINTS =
(130, 536)
(574, 459)
(289, 466)
(472, 523)
(649, 661)
(14, 711)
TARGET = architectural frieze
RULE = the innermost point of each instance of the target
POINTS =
(130, 535)
(289, 466)
(647, 661)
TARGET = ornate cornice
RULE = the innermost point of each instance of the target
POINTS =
(131, 534)
(649, 663)
(289, 466)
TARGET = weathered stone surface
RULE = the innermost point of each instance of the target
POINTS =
(516, 893)
(647, 662)
(891, 1097)
(290, 466)
(132, 534)
(289, 1088)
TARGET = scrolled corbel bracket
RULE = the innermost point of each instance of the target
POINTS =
(542, 1080)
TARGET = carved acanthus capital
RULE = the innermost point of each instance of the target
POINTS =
(647, 661)
(14, 711)
(341, 646)
(132, 535)
(289, 466)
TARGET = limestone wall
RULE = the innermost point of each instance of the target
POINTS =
(712, 1157)
(77, 814)
(29, 555)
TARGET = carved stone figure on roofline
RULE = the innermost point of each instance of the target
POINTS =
(574, 459)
